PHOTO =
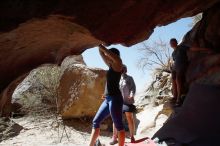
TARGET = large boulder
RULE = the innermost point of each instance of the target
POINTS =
(79, 86)
(38, 91)
(73, 85)
(80, 89)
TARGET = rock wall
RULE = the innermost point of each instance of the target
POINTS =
(130, 21)
(40, 41)
(196, 123)
(37, 42)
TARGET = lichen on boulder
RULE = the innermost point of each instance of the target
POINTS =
(38, 91)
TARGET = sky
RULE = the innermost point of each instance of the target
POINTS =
(131, 55)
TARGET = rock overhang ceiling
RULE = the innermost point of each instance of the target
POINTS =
(116, 21)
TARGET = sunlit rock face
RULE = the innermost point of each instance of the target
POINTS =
(80, 89)
(37, 93)
(79, 93)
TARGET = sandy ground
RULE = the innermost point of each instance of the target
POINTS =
(48, 131)
(150, 121)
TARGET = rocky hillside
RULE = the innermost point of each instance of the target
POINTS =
(153, 104)
(158, 91)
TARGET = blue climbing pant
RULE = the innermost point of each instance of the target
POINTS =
(111, 106)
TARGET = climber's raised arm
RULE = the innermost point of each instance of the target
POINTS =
(111, 57)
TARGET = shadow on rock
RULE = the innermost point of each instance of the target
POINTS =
(8, 129)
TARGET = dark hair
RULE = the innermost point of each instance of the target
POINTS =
(115, 51)
(173, 40)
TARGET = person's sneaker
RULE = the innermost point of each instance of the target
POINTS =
(113, 142)
(132, 139)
